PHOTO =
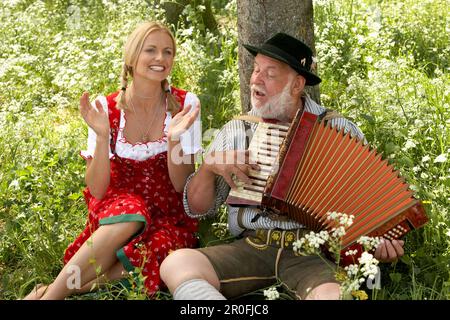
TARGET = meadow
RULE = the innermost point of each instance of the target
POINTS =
(385, 65)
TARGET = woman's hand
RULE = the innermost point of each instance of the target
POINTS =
(182, 122)
(97, 120)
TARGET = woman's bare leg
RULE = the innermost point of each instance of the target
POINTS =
(116, 272)
(37, 292)
(97, 252)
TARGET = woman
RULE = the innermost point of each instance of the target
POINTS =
(136, 216)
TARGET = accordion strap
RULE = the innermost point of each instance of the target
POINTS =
(248, 118)
(329, 114)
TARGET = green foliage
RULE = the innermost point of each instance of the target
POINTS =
(386, 66)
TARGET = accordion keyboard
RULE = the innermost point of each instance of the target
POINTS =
(264, 148)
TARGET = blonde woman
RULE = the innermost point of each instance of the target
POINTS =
(141, 146)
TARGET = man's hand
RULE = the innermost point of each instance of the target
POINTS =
(230, 163)
(389, 251)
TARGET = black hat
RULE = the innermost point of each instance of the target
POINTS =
(289, 50)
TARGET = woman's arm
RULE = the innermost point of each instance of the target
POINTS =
(97, 169)
(180, 165)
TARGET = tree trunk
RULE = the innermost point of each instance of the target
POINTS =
(258, 20)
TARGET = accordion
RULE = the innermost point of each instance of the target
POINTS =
(309, 168)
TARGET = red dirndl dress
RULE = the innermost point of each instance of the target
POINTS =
(140, 191)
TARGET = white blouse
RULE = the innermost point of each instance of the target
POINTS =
(190, 140)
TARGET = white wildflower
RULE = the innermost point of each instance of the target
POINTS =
(440, 158)
(351, 252)
(354, 275)
(369, 243)
(366, 258)
(187, 32)
(271, 293)
(298, 244)
(342, 218)
(345, 220)
(14, 184)
(338, 232)
(351, 270)
(424, 175)
(332, 215)
(409, 144)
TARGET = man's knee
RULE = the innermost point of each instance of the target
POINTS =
(325, 291)
(170, 265)
(183, 265)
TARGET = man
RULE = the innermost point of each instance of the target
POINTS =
(282, 68)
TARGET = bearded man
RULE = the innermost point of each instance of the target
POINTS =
(262, 254)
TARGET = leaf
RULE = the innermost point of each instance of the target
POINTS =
(406, 260)
(391, 148)
(447, 182)
(395, 277)
(406, 161)
(22, 173)
(98, 270)
(74, 196)
(369, 119)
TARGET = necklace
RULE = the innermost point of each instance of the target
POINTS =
(145, 134)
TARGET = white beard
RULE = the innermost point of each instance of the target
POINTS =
(278, 107)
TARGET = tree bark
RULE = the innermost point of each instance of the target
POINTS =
(258, 20)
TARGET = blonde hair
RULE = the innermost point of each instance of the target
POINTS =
(133, 48)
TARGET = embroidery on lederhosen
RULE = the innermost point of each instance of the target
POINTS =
(260, 241)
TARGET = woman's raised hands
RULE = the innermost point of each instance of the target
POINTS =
(182, 121)
(96, 119)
